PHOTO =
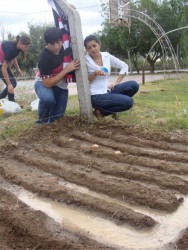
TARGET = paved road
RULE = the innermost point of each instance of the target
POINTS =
(73, 89)
(136, 77)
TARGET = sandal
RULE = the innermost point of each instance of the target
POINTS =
(115, 116)
(97, 113)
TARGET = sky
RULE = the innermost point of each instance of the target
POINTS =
(16, 14)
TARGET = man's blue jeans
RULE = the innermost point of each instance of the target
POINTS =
(52, 102)
(119, 99)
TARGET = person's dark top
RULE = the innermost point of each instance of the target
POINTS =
(10, 50)
(50, 64)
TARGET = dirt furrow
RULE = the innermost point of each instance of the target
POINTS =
(117, 156)
(180, 137)
(133, 193)
(25, 228)
(48, 186)
(182, 242)
(120, 170)
(100, 170)
(132, 150)
(140, 141)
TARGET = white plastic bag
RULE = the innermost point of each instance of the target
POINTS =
(2, 85)
(8, 107)
(34, 105)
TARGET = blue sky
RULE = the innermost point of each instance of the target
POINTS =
(15, 19)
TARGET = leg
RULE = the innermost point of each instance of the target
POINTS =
(61, 97)
(46, 102)
(111, 103)
(5, 92)
(129, 88)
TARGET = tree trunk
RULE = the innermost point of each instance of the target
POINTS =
(152, 67)
(136, 66)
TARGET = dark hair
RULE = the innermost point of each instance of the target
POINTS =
(25, 40)
(52, 35)
(89, 39)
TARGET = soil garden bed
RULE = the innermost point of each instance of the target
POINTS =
(113, 172)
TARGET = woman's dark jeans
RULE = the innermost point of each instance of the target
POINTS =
(119, 99)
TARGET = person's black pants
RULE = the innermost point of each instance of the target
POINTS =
(5, 92)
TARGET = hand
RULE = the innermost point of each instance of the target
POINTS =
(72, 6)
(99, 73)
(10, 89)
(75, 64)
(20, 73)
(112, 85)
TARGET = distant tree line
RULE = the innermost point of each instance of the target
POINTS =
(132, 44)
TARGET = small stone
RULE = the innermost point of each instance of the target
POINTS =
(117, 152)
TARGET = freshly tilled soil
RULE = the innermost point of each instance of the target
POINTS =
(125, 165)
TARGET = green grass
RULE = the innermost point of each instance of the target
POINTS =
(12, 126)
(160, 105)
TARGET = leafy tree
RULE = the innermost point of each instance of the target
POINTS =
(169, 14)
(147, 37)
(120, 42)
(183, 47)
(124, 44)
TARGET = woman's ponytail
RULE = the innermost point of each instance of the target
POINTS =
(25, 40)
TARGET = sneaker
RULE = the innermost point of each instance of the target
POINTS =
(115, 116)
(97, 113)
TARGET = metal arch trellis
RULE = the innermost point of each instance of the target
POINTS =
(166, 46)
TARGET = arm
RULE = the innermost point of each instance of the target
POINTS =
(6, 77)
(50, 82)
(119, 79)
(17, 66)
(117, 63)
(92, 76)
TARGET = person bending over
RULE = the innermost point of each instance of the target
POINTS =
(50, 85)
(9, 50)
(107, 99)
